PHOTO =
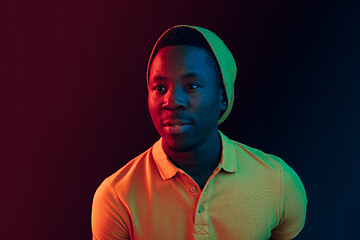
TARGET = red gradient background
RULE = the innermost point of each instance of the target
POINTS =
(74, 106)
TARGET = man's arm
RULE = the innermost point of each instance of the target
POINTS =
(294, 204)
(108, 214)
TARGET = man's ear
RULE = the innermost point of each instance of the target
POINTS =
(223, 99)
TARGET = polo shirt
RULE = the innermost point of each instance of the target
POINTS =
(251, 195)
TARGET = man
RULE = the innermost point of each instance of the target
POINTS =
(195, 183)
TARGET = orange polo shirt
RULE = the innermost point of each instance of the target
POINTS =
(251, 195)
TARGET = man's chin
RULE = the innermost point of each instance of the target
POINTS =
(180, 147)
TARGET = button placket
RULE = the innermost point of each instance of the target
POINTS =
(201, 216)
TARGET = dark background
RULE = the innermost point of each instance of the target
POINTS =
(74, 106)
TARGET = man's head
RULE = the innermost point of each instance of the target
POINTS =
(189, 37)
(187, 97)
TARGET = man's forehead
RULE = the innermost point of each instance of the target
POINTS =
(180, 57)
(158, 77)
(182, 52)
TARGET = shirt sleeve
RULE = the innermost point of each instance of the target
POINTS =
(293, 205)
(108, 216)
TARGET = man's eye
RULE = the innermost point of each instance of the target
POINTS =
(159, 88)
(191, 87)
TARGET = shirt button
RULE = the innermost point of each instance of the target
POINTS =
(193, 189)
(201, 209)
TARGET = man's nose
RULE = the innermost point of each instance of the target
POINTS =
(174, 99)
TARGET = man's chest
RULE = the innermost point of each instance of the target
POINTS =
(226, 208)
(201, 180)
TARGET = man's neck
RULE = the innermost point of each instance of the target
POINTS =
(199, 161)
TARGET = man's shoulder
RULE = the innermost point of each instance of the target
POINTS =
(127, 174)
(257, 156)
(131, 167)
(264, 160)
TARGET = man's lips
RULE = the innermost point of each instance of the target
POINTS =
(176, 126)
(175, 123)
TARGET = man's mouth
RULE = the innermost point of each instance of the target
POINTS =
(175, 124)
(176, 127)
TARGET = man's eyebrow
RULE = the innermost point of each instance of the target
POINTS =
(192, 74)
(158, 78)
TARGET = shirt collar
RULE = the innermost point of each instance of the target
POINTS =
(168, 170)
(228, 157)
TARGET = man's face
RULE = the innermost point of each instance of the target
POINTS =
(184, 97)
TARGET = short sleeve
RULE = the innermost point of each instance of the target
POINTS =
(108, 214)
(293, 205)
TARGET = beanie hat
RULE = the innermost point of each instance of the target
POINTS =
(222, 54)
